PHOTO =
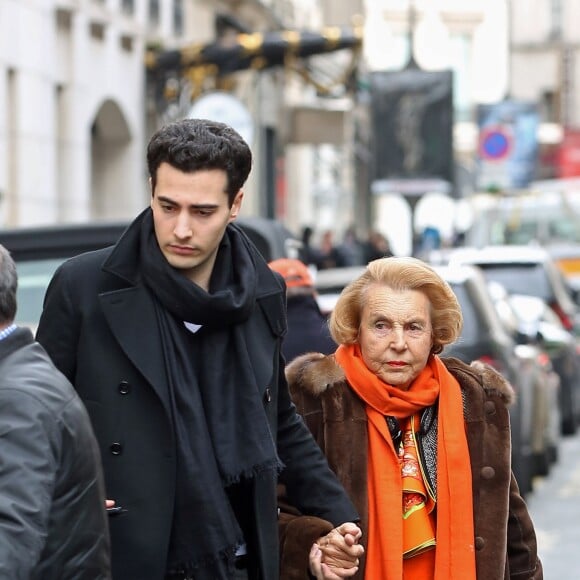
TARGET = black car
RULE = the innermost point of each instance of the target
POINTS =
(38, 251)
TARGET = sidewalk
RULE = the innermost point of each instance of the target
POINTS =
(555, 508)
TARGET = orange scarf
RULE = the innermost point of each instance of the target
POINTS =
(454, 557)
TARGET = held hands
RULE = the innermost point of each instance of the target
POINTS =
(337, 554)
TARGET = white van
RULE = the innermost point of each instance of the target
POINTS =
(550, 219)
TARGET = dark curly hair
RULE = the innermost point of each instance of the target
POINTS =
(196, 144)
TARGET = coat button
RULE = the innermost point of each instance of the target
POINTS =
(116, 448)
(489, 407)
(487, 472)
(479, 543)
(267, 395)
(124, 387)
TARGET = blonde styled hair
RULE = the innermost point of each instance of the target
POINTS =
(398, 273)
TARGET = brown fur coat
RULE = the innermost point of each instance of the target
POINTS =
(505, 541)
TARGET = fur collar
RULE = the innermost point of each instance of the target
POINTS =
(314, 373)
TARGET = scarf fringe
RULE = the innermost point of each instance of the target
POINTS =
(274, 465)
(224, 556)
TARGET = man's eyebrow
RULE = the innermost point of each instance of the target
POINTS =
(193, 205)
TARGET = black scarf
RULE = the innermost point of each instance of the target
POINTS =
(221, 429)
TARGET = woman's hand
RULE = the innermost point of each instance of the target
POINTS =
(337, 554)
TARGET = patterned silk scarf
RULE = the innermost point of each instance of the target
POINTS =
(454, 556)
(418, 503)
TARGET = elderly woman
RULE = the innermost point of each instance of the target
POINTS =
(421, 443)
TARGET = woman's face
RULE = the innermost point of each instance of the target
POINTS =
(395, 334)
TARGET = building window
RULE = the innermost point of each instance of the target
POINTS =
(178, 17)
(126, 43)
(154, 13)
(128, 6)
(461, 65)
(97, 30)
(64, 20)
(556, 20)
(549, 107)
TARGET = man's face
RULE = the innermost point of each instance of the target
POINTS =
(190, 215)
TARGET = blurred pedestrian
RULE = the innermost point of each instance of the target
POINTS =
(307, 325)
(377, 246)
(430, 240)
(173, 338)
(53, 523)
(351, 249)
(308, 253)
(329, 255)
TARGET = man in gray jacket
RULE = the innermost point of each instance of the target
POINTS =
(53, 524)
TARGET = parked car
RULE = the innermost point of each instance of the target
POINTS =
(330, 282)
(537, 218)
(38, 251)
(567, 258)
(534, 355)
(485, 338)
(550, 219)
(272, 238)
(541, 325)
(531, 271)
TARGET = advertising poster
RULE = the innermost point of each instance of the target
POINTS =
(412, 121)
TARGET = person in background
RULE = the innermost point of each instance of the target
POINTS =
(307, 325)
(329, 256)
(172, 338)
(377, 246)
(308, 253)
(351, 249)
(421, 443)
(53, 523)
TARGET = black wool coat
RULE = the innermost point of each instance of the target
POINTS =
(100, 328)
(307, 329)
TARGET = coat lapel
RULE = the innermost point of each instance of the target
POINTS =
(130, 314)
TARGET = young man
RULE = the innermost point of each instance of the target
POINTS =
(172, 338)
(52, 522)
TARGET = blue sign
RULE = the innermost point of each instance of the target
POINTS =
(508, 144)
(495, 143)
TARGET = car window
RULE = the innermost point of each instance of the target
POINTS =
(520, 279)
(33, 279)
(542, 219)
(469, 334)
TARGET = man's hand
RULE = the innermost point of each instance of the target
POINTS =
(337, 554)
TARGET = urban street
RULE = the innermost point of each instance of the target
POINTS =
(555, 508)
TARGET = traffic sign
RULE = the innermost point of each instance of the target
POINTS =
(495, 143)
